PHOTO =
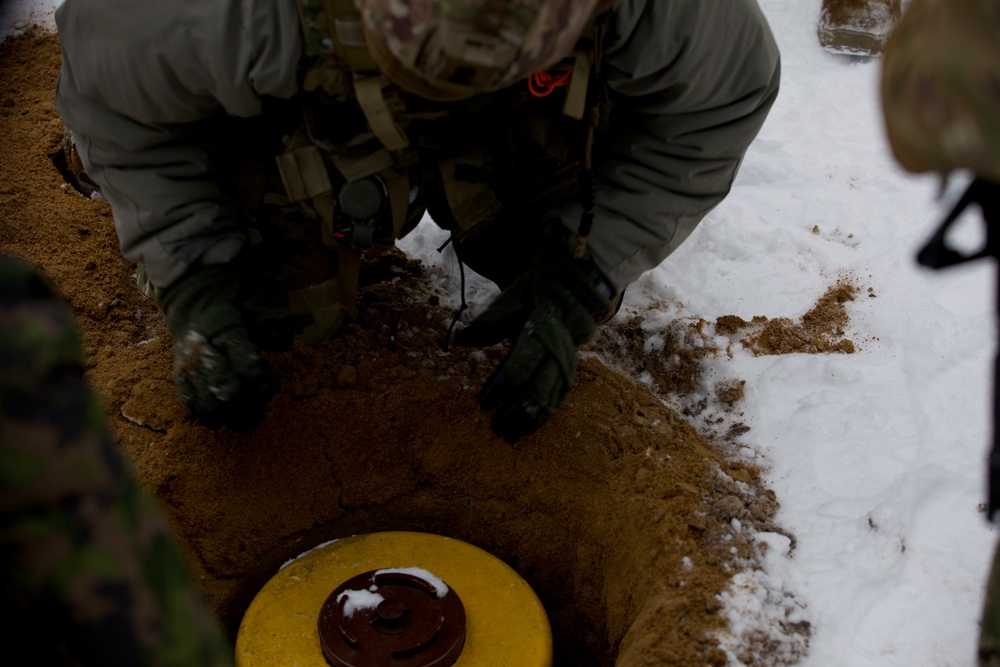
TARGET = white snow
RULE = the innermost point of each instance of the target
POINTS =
(16, 15)
(440, 588)
(877, 458)
(357, 600)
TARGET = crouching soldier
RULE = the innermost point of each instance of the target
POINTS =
(568, 145)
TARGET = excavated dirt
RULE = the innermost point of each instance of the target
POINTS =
(618, 512)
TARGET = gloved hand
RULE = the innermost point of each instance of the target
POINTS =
(548, 312)
(218, 328)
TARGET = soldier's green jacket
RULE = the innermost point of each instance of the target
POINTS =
(692, 82)
(89, 572)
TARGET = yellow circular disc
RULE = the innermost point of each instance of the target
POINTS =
(506, 624)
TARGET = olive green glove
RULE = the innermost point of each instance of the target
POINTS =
(548, 312)
(218, 328)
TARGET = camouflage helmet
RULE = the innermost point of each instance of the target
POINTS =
(449, 50)
(941, 87)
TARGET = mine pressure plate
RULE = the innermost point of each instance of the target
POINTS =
(395, 599)
(392, 617)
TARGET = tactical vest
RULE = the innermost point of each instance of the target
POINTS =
(370, 158)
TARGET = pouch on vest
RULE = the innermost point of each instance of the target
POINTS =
(364, 138)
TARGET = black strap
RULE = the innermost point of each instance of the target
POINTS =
(445, 347)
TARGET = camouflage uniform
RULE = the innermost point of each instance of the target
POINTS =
(91, 575)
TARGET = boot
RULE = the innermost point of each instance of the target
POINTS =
(857, 27)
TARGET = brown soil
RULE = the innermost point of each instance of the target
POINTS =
(819, 330)
(618, 512)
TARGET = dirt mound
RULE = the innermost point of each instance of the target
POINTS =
(627, 522)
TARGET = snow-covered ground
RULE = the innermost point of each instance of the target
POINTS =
(15, 15)
(877, 458)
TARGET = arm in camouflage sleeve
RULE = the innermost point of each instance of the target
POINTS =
(90, 573)
(138, 79)
(691, 83)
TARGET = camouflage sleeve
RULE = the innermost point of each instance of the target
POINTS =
(90, 573)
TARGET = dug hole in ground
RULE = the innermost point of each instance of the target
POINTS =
(630, 513)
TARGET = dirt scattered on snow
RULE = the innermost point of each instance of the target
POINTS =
(821, 330)
(628, 522)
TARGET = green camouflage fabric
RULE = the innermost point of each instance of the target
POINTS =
(459, 48)
(90, 572)
(940, 79)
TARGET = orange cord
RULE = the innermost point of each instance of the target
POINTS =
(541, 84)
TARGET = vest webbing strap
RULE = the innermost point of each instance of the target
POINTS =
(576, 94)
(398, 185)
(348, 274)
(344, 60)
(348, 259)
(344, 27)
(369, 93)
(356, 168)
(304, 173)
(588, 182)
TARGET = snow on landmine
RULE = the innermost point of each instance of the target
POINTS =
(370, 598)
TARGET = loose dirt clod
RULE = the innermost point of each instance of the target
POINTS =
(820, 330)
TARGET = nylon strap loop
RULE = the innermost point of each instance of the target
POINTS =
(304, 173)
(399, 199)
(356, 168)
(369, 92)
(324, 206)
(348, 274)
(576, 95)
(348, 259)
(339, 14)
